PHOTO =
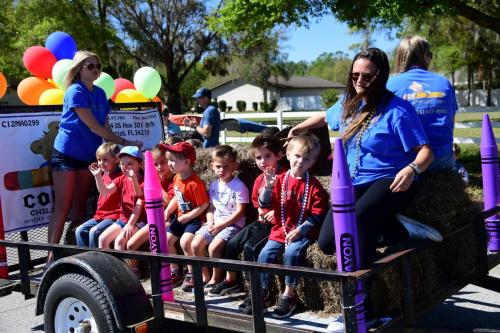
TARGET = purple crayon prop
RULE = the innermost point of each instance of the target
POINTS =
(156, 222)
(491, 190)
(345, 226)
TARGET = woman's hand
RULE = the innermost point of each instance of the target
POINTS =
(270, 177)
(403, 180)
(95, 169)
(138, 144)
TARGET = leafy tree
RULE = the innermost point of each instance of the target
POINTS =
(171, 34)
(28, 23)
(265, 15)
(262, 61)
(329, 97)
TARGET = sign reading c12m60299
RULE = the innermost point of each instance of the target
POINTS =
(26, 142)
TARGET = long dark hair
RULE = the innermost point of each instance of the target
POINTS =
(373, 94)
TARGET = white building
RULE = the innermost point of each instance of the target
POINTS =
(298, 93)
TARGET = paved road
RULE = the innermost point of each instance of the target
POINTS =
(471, 308)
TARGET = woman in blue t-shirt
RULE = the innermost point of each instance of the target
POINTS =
(432, 96)
(84, 124)
(386, 149)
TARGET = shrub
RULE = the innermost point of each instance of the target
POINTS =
(329, 97)
(264, 106)
(229, 108)
(255, 106)
(274, 104)
(241, 105)
(222, 105)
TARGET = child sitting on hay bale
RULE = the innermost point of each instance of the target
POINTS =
(300, 204)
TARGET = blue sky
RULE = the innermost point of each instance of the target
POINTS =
(327, 35)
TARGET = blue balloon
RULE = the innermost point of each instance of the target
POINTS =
(61, 44)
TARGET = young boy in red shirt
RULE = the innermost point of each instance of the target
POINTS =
(300, 203)
(185, 212)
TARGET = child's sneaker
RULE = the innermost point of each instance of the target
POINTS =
(246, 306)
(286, 306)
(188, 283)
(225, 287)
(176, 277)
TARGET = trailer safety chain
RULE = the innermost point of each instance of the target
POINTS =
(355, 305)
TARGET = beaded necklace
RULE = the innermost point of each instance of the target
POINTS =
(284, 188)
(359, 136)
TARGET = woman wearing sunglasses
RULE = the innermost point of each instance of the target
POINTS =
(84, 124)
(386, 149)
(432, 96)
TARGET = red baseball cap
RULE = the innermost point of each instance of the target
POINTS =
(185, 148)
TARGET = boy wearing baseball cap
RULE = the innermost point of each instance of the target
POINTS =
(185, 212)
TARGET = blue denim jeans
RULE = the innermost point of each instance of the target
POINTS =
(88, 233)
(293, 256)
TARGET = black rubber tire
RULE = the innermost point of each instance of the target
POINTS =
(86, 290)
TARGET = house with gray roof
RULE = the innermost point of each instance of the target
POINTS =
(298, 93)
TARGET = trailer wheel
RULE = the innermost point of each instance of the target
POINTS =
(77, 303)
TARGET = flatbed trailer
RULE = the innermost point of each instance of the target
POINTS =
(198, 312)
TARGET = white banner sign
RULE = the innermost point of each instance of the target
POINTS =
(26, 141)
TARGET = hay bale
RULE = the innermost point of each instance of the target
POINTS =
(442, 201)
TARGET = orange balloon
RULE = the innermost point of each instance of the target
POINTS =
(3, 85)
(30, 89)
(158, 100)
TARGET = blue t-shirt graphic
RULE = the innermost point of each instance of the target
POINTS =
(386, 145)
(74, 138)
(211, 116)
(433, 97)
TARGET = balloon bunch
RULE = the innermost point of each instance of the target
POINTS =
(50, 64)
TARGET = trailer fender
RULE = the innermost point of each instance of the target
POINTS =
(129, 302)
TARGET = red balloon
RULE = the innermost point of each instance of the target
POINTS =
(121, 84)
(39, 61)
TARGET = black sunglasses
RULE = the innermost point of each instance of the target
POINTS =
(92, 66)
(364, 76)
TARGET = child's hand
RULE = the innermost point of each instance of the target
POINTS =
(215, 229)
(95, 169)
(129, 172)
(128, 231)
(182, 219)
(269, 217)
(270, 177)
(292, 236)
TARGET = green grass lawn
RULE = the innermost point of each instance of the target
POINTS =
(475, 116)
(472, 132)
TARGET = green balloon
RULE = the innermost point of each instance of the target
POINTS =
(106, 83)
(60, 70)
(147, 81)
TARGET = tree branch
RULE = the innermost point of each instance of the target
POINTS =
(476, 16)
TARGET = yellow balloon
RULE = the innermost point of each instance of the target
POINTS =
(51, 97)
(130, 96)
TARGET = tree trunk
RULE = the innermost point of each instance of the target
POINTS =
(489, 83)
(264, 91)
(453, 78)
(173, 100)
(469, 79)
(481, 19)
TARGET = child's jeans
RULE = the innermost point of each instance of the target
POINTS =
(88, 233)
(293, 256)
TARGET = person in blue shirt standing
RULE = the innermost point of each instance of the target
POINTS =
(432, 96)
(209, 126)
(84, 124)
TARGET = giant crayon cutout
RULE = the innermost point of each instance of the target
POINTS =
(491, 190)
(345, 226)
(156, 222)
